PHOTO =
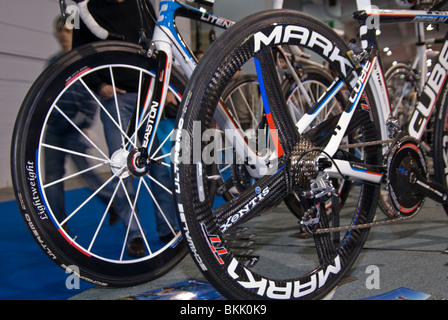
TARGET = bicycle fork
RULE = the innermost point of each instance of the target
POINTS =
(139, 159)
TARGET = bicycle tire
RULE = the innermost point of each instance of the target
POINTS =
(440, 147)
(210, 239)
(402, 86)
(86, 241)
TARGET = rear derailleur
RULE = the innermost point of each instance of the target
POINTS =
(320, 193)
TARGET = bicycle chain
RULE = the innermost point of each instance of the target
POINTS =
(365, 144)
(370, 224)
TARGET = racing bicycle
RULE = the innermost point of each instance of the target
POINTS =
(79, 174)
(405, 83)
(83, 195)
(304, 161)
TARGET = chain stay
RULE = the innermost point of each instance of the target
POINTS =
(371, 224)
(366, 225)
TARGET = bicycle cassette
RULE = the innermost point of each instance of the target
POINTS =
(406, 163)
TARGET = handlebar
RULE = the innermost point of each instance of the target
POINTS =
(86, 17)
(91, 23)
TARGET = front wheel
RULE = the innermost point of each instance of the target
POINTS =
(251, 247)
(70, 153)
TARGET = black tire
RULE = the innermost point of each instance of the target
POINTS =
(213, 231)
(80, 232)
(440, 147)
(402, 86)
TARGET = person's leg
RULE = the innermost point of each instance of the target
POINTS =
(124, 199)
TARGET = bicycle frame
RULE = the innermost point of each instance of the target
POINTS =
(166, 32)
(169, 44)
(418, 65)
(436, 81)
(371, 74)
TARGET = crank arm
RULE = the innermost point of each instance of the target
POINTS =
(420, 185)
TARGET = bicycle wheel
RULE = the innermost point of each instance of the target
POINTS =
(70, 151)
(440, 147)
(239, 245)
(402, 86)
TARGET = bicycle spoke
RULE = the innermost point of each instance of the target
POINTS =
(158, 206)
(75, 153)
(118, 126)
(74, 175)
(86, 201)
(117, 107)
(161, 146)
(103, 218)
(132, 216)
(80, 131)
(160, 185)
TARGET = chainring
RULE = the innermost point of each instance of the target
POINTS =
(405, 160)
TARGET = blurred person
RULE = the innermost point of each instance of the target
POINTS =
(121, 17)
(64, 37)
(77, 105)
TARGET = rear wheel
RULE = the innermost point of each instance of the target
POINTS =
(441, 142)
(402, 86)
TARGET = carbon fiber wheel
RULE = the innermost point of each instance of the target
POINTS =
(251, 247)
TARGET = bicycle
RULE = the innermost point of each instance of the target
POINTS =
(83, 237)
(304, 161)
(405, 83)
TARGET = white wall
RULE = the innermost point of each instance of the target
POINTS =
(26, 41)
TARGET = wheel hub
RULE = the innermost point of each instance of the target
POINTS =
(119, 165)
(138, 165)
(125, 163)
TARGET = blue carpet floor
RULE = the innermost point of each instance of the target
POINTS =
(26, 273)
